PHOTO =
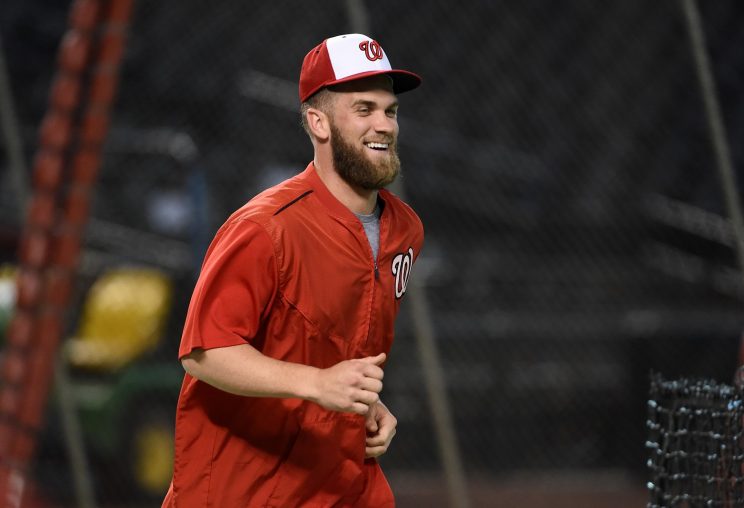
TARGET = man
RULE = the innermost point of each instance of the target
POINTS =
(292, 316)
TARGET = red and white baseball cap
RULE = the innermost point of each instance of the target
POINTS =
(346, 58)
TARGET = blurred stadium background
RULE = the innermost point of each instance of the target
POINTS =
(557, 153)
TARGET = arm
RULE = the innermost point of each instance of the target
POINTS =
(233, 296)
(349, 386)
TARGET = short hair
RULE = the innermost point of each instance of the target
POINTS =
(322, 100)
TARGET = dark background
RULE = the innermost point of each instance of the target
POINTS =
(557, 153)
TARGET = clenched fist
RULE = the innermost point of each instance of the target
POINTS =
(351, 386)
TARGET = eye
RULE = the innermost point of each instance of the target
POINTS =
(392, 113)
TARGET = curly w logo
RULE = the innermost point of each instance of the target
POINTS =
(401, 269)
(372, 50)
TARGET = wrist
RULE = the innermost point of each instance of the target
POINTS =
(308, 386)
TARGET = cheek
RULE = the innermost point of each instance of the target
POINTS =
(395, 126)
(352, 129)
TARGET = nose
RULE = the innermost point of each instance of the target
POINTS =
(385, 124)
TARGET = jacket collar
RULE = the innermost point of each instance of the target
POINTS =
(334, 206)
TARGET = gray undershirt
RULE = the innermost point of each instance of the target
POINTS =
(371, 225)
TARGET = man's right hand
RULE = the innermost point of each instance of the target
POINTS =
(351, 386)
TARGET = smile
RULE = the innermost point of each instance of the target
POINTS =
(377, 146)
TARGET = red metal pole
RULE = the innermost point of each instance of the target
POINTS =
(65, 169)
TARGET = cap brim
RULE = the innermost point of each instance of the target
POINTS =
(403, 81)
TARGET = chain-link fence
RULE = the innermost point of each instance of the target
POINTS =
(557, 153)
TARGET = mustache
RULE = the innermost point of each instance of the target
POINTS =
(385, 139)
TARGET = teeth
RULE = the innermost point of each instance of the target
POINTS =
(378, 146)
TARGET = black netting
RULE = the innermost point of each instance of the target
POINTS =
(695, 443)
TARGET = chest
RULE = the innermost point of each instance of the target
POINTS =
(328, 272)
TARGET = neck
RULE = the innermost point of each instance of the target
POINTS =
(358, 200)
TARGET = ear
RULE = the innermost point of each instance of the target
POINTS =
(319, 124)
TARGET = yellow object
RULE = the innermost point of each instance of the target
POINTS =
(153, 448)
(124, 316)
(7, 296)
(8, 274)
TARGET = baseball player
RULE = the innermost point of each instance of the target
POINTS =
(292, 315)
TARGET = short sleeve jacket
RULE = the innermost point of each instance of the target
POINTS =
(291, 273)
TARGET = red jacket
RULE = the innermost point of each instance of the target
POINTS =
(291, 273)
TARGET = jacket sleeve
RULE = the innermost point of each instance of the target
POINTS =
(235, 289)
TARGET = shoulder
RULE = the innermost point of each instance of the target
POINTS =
(264, 208)
(262, 221)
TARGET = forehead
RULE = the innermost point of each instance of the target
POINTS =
(380, 87)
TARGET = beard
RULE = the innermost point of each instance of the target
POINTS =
(358, 170)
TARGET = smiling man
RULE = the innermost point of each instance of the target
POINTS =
(292, 317)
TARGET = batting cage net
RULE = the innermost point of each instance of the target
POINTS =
(696, 452)
(577, 235)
